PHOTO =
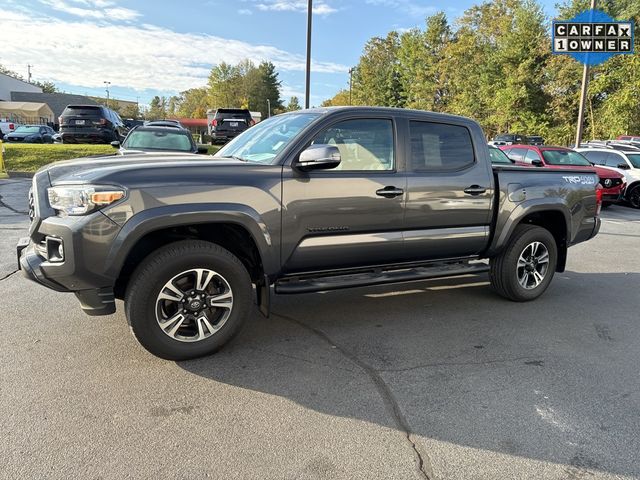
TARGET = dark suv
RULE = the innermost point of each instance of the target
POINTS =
(228, 123)
(91, 124)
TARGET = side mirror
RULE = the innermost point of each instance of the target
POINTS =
(115, 144)
(623, 166)
(537, 163)
(319, 157)
(202, 150)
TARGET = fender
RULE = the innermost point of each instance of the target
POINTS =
(506, 226)
(159, 218)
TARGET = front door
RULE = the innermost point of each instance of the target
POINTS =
(351, 215)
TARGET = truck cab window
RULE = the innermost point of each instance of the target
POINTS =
(438, 146)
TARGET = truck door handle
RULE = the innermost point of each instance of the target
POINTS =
(389, 192)
(475, 190)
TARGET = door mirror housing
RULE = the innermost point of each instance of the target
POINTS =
(203, 150)
(319, 157)
(624, 166)
(537, 163)
(115, 144)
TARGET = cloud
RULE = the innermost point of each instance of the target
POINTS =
(155, 58)
(92, 9)
(319, 7)
(414, 9)
(245, 11)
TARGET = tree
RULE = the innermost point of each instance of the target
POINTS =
(193, 103)
(157, 108)
(339, 99)
(294, 104)
(268, 89)
(131, 111)
(47, 87)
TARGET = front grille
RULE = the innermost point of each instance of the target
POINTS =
(611, 182)
(32, 208)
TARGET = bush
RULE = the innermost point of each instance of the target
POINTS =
(30, 157)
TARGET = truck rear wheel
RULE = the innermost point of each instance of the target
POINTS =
(188, 299)
(525, 268)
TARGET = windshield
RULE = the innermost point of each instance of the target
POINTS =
(158, 140)
(634, 158)
(505, 138)
(262, 143)
(27, 130)
(565, 157)
(498, 156)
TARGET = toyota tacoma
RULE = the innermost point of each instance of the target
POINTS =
(306, 201)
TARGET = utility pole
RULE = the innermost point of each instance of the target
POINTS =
(29, 73)
(107, 88)
(268, 108)
(583, 94)
(308, 79)
(350, 84)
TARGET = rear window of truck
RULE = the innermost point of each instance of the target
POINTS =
(440, 147)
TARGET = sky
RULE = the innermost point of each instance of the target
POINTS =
(161, 47)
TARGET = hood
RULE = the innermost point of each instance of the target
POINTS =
(86, 169)
(607, 173)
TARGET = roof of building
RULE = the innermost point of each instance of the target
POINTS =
(26, 84)
(56, 101)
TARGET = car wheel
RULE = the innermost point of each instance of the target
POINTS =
(188, 299)
(634, 197)
(525, 268)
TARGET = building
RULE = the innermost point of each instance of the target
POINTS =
(10, 84)
(57, 101)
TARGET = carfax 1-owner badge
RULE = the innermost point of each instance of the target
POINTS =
(592, 37)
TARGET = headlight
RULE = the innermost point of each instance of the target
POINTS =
(81, 199)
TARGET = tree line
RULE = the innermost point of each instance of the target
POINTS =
(494, 64)
(245, 85)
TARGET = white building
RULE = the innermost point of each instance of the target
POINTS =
(10, 84)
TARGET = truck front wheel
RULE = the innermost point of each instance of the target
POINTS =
(188, 299)
(524, 269)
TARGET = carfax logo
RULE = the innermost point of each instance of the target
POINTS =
(592, 37)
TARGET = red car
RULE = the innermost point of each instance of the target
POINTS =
(612, 182)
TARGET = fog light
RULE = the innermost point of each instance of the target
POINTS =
(55, 249)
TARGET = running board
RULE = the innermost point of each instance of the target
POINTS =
(305, 284)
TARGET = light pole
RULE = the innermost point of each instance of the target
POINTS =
(350, 84)
(308, 79)
(107, 88)
(268, 108)
(583, 94)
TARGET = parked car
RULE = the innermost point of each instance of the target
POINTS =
(509, 139)
(629, 138)
(132, 122)
(612, 144)
(228, 123)
(613, 183)
(626, 163)
(498, 157)
(535, 140)
(91, 124)
(8, 126)
(306, 201)
(31, 134)
(150, 138)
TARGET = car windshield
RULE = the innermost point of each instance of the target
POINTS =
(634, 158)
(27, 129)
(158, 140)
(505, 138)
(262, 143)
(565, 157)
(498, 156)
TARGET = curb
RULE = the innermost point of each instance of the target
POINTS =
(20, 174)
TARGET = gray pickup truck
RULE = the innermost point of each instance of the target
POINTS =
(307, 201)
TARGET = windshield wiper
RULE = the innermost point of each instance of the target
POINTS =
(235, 158)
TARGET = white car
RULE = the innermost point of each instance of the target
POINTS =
(7, 126)
(624, 162)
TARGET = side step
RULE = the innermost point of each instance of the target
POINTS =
(305, 284)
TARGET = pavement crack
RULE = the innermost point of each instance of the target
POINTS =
(9, 274)
(391, 404)
(9, 207)
(455, 364)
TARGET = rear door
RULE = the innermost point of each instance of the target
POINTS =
(449, 192)
(352, 215)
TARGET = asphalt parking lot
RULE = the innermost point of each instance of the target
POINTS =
(435, 379)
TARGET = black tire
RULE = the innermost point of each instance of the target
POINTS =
(157, 269)
(504, 272)
(633, 196)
